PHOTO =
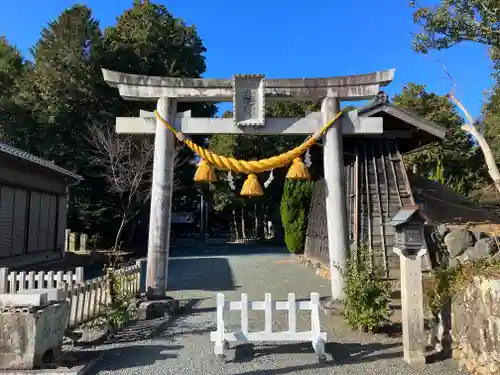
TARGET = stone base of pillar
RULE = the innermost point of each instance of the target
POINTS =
(416, 360)
(330, 306)
(157, 308)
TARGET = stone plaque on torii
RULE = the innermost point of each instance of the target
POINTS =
(249, 93)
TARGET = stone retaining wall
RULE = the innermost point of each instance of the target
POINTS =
(451, 243)
(476, 327)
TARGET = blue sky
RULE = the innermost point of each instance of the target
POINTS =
(315, 38)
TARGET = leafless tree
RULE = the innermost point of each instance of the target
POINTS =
(470, 128)
(128, 164)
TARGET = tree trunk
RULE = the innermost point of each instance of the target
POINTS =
(255, 221)
(266, 231)
(485, 147)
(235, 225)
(261, 221)
(488, 155)
(278, 226)
(120, 232)
(243, 232)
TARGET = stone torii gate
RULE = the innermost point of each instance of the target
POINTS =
(248, 92)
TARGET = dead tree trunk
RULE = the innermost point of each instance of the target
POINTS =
(235, 225)
(485, 147)
(243, 231)
(471, 129)
(120, 232)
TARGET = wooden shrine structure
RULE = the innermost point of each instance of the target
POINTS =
(377, 186)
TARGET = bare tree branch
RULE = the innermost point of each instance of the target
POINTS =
(128, 164)
(472, 130)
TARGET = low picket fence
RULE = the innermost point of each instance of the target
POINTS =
(87, 299)
(221, 338)
(13, 282)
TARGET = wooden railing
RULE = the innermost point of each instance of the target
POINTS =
(87, 299)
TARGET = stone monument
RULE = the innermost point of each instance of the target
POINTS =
(409, 244)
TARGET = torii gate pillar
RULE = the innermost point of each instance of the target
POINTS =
(248, 93)
(336, 206)
(161, 202)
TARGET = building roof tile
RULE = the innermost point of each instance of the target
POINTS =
(23, 155)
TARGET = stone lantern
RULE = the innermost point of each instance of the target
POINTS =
(409, 226)
(409, 244)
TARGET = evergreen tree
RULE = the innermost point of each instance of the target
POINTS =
(294, 210)
(65, 94)
(14, 119)
(490, 121)
(11, 67)
(62, 89)
(147, 39)
(456, 21)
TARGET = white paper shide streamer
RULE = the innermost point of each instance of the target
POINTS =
(269, 180)
(307, 159)
(230, 180)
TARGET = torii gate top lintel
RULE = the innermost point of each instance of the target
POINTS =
(249, 93)
(143, 87)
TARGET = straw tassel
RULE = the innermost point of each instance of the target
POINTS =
(205, 172)
(298, 170)
(251, 187)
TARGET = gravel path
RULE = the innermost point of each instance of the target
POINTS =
(182, 346)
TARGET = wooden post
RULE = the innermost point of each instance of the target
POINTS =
(79, 275)
(22, 281)
(336, 208)
(50, 280)
(220, 334)
(83, 241)
(72, 242)
(63, 286)
(412, 306)
(4, 280)
(161, 201)
(141, 283)
(67, 233)
(31, 280)
(40, 277)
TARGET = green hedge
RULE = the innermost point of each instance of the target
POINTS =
(294, 210)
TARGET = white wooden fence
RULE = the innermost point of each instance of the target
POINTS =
(221, 338)
(87, 299)
(13, 282)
